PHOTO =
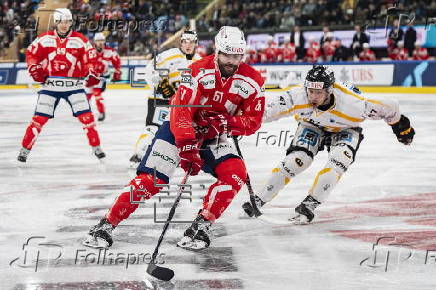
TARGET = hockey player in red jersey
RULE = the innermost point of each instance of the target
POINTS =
(271, 51)
(399, 53)
(420, 53)
(105, 56)
(232, 95)
(313, 52)
(328, 47)
(288, 51)
(366, 54)
(64, 62)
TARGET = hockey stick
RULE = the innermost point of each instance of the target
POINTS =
(257, 212)
(154, 270)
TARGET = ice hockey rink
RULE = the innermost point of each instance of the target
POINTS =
(376, 231)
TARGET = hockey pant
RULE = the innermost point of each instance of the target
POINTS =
(308, 140)
(45, 108)
(157, 113)
(159, 164)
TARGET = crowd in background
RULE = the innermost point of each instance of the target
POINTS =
(155, 15)
(284, 14)
(249, 15)
(401, 45)
(14, 14)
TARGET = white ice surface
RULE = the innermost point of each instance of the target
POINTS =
(390, 191)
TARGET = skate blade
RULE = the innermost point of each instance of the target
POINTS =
(96, 243)
(192, 245)
(299, 220)
(133, 165)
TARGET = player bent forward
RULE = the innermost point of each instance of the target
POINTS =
(233, 95)
(329, 115)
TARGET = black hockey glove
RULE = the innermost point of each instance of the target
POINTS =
(165, 89)
(403, 130)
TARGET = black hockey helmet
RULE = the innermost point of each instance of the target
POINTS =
(319, 77)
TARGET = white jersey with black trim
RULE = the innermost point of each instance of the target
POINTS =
(350, 108)
(172, 60)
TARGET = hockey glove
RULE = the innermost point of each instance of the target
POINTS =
(215, 124)
(165, 89)
(38, 73)
(92, 80)
(189, 153)
(403, 130)
(116, 76)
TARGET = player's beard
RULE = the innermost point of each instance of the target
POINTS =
(227, 69)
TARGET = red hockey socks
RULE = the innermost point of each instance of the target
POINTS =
(87, 119)
(231, 175)
(139, 189)
(33, 130)
(99, 101)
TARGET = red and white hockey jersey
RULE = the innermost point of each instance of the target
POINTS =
(366, 55)
(288, 53)
(399, 54)
(72, 56)
(272, 52)
(240, 97)
(108, 56)
(420, 53)
(313, 53)
(328, 50)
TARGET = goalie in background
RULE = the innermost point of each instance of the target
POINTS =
(170, 64)
(329, 116)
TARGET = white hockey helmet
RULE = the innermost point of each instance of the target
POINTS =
(230, 40)
(99, 36)
(189, 35)
(62, 14)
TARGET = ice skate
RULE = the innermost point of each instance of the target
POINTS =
(248, 207)
(304, 212)
(196, 237)
(100, 235)
(101, 116)
(134, 161)
(98, 152)
(22, 156)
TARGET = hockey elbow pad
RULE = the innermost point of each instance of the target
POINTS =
(403, 130)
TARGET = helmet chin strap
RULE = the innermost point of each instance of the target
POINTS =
(188, 56)
(63, 35)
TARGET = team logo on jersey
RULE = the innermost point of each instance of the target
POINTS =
(241, 88)
(163, 114)
(308, 137)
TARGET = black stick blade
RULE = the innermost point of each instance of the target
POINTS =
(161, 273)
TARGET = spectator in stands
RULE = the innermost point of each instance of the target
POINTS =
(341, 52)
(410, 38)
(308, 12)
(366, 54)
(298, 40)
(420, 53)
(359, 39)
